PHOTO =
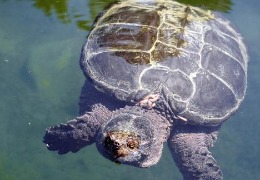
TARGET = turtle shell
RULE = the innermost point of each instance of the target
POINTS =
(192, 57)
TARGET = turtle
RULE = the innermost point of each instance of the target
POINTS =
(157, 71)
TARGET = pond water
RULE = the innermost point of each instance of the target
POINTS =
(40, 82)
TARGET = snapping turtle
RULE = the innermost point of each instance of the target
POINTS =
(157, 71)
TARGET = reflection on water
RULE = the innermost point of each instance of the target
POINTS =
(217, 5)
(59, 7)
(66, 15)
(40, 82)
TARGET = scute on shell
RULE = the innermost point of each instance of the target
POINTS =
(191, 56)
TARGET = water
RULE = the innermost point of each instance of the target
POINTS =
(40, 81)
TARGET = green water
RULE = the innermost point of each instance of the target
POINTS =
(40, 82)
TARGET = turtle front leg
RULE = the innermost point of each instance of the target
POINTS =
(76, 133)
(189, 146)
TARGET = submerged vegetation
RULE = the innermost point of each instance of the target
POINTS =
(4, 174)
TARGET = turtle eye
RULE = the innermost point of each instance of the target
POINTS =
(131, 144)
(133, 141)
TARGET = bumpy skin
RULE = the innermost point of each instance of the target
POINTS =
(192, 57)
(189, 146)
(81, 131)
(76, 133)
(101, 114)
(151, 129)
(195, 62)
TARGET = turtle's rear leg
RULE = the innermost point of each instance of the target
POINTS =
(189, 146)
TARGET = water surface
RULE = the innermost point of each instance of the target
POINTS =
(40, 82)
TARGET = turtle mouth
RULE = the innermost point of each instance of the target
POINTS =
(121, 143)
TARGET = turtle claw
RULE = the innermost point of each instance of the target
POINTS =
(182, 118)
(149, 101)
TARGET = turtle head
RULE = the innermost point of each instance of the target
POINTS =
(133, 136)
(120, 144)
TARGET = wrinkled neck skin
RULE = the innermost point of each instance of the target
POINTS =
(163, 108)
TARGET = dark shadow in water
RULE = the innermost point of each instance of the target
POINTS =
(26, 76)
(61, 9)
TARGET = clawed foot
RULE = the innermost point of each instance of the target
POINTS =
(149, 101)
